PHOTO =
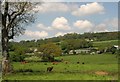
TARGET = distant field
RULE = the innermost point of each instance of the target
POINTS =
(104, 44)
(95, 67)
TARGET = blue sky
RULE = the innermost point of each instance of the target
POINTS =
(55, 19)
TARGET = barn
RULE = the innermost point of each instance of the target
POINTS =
(78, 51)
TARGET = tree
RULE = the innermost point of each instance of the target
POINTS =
(14, 16)
(18, 54)
(74, 44)
(49, 51)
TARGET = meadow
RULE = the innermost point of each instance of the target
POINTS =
(104, 44)
(90, 67)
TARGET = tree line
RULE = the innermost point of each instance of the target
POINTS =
(103, 36)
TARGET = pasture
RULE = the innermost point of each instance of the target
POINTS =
(90, 67)
(104, 44)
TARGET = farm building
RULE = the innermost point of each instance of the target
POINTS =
(34, 49)
(89, 40)
(79, 51)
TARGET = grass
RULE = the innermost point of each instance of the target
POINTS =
(60, 76)
(32, 58)
(71, 71)
(91, 59)
(104, 44)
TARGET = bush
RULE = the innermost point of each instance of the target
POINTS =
(47, 58)
(17, 57)
(24, 70)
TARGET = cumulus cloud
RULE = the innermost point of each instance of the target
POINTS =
(36, 34)
(63, 33)
(88, 9)
(112, 22)
(101, 28)
(42, 26)
(107, 25)
(51, 7)
(61, 23)
(84, 25)
(59, 34)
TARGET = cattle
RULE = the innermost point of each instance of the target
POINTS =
(54, 63)
(62, 59)
(24, 62)
(78, 62)
(83, 63)
(66, 62)
(49, 69)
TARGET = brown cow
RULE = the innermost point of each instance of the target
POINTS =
(54, 63)
(66, 62)
(24, 62)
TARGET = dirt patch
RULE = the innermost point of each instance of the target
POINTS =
(101, 73)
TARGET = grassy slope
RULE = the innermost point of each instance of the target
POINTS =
(72, 70)
(104, 44)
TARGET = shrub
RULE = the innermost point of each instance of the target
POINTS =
(17, 57)
(24, 70)
(47, 58)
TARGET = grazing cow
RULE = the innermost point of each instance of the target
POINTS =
(49, 69)
(66, 62)
(24, 62)
(78, 62)
(83, 63)
(62, 59)
(54, 63)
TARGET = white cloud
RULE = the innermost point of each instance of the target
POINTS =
(101, 28)
(61, 23)
(59, 34)
(84, 25)
(88, 9)
(112, 22)
(42, 26)
(51, 7)
(36, 34)
(63, 33)
(107, 25)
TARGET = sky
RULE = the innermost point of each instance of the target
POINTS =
(58, 18)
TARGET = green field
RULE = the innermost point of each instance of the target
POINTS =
(95, 67)
(104, 44)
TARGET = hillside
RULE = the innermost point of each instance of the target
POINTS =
(104, 44)
(103, 36)
(72, 41)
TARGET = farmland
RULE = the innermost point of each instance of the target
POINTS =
(47, 40)
(104, 44)
(95, 67)
(81, 66)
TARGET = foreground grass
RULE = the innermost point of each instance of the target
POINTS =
(71, 71)
(60, 76)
